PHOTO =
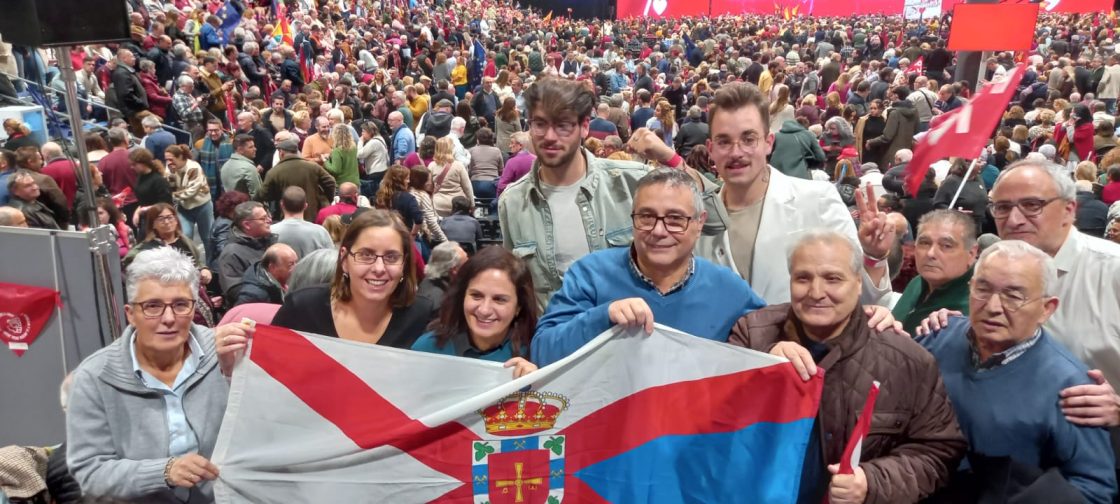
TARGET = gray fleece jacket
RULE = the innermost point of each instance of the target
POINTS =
(116, 428)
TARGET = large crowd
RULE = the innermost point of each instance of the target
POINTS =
(486, 181)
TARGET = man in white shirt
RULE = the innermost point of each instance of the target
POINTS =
(462, 155)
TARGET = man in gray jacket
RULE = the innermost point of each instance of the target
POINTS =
(240, 172)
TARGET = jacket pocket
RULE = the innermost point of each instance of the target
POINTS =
(620, 237)
(886, 429)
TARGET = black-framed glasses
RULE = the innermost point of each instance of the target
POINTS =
(155, 309)
(166, 218)
(363, 256)
(1029, 207)
(1011, 301)
(540, 127)
(673, 223)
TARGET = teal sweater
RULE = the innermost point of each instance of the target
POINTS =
(1012, 410)
(707, 305)
(343, 165)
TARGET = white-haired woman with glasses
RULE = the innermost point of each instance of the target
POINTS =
(144, 412)
(372, 298)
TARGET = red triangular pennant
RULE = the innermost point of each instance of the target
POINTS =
(24, 312)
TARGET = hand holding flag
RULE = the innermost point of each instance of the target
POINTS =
(849, 483)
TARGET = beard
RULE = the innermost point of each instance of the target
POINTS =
(562, 160)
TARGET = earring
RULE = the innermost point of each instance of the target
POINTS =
(345, 277)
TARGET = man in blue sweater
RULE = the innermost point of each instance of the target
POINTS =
(1003, 372)
(657, 278)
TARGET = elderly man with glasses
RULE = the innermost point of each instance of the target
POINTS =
(249, 237)
(1003, 370)
(1036, 202)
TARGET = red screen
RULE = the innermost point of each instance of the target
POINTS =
(973, 29)
(667, 8)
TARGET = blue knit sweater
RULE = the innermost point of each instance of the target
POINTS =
(1012, 410)
(707, 305)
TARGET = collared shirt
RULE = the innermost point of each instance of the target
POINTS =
(1087, 320)
(647, 280)
(1000, 358)
(181, 439)
(460, 345)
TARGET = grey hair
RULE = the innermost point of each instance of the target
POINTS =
(151, 121)
(250, 47)
(244, 211)
(824, 235)
(180, 50)
(165, 265)
(20, 174)
(315, 268)
(1067, 189)
(118, 136)
(952, 217)
(842, 126)
(445, 257)
(185, 80)
(7, 215)
(147, 64)
(694, 112)
(673, 178)
(522, 138)
(458, 123)
(1016, 250)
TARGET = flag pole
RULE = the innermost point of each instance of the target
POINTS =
(963, 181)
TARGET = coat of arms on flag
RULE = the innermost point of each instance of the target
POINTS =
(629, 418)
(520, 468)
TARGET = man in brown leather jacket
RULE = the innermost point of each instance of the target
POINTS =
(914, 443)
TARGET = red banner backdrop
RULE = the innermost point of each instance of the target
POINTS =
(660, 8)
(821, 8)
(24, 311)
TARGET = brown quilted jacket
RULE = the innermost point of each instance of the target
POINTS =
(915, 443)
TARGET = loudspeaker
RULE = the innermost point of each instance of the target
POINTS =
(45, 23)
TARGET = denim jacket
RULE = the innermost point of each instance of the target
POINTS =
(605, 201)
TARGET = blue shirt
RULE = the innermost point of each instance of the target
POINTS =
(1012, 410)
(460, 346)
(4, 196)
(578, 312)
(181, 438)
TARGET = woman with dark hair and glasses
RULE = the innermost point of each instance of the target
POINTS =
(372, 298)
(162, 229)
(489, 312)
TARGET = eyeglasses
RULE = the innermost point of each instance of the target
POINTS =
(155, 309)
(364, 256)
(747, 142)
(1009, 300)
(540, 127)
(673, 223)
(1029, 207)
(267, 218)
(165, 218)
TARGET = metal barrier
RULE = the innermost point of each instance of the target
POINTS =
(109, 111)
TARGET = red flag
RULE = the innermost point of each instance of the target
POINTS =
(231, 111)
(963, 132)
(917, 67)
(852, 451)
(24, 312)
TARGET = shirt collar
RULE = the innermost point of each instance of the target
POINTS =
(1000, 358)
(463, 346)
(646, 280)
(1068, 254)
(191, 362)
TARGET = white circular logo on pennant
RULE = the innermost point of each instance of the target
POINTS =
(15, 327)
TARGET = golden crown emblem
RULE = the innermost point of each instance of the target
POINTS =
(523, 413)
